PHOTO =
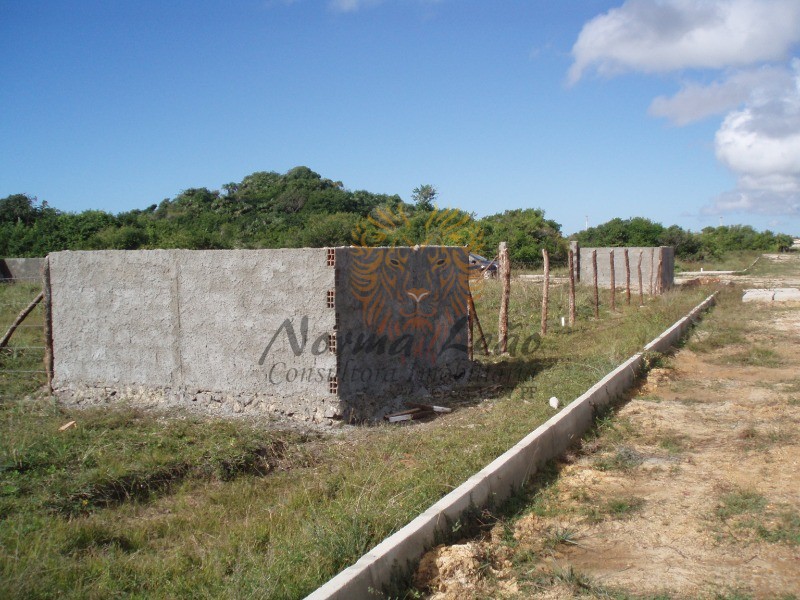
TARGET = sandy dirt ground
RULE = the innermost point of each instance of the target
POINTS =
(691, 489)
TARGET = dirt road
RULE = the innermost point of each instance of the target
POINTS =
(690, 490)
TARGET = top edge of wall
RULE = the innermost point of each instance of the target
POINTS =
(315, 249)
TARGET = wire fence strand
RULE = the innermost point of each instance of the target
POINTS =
(22, 358)
(12, 347)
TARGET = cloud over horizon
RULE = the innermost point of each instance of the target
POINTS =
(761, 144)
(750, 42)
(696, 101)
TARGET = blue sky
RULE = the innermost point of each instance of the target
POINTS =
(682, 111)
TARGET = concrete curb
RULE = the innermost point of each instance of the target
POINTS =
(495, 482)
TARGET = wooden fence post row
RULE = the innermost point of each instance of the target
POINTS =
(655, 281)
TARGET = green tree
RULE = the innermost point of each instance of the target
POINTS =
(617, 232)
(424, 197)
(686, 243)
(20, 208)
(329, 230)
(711, 242)
(527, 232)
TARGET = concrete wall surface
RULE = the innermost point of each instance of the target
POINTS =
(650, 257)
(182, 327)
(313, 333)
(21, 269)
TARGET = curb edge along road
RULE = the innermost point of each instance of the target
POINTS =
(498, 480)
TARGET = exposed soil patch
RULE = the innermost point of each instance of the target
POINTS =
(690, 490)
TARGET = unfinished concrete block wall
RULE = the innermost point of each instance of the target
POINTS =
(21, 269)
(316, 334)
(650, 260)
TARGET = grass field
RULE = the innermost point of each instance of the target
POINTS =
(783, 265)
(134, 503)
(694, 473)
(731, 261)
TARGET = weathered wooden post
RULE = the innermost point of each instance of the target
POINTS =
(641, 288)
(477, 322)
(545, 289)
(470, 328)
(20, 318)
(627, 278)
(596, 292)
(576, 259)
(505, 275)
(652, 269)
(613, 281)
(571, 264)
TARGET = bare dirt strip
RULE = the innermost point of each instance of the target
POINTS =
(690, 490)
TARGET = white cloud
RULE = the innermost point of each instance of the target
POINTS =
(746, 147)
(746, 40)
(696, 101)
(667, 35)
(762, 202)
(761, 144)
